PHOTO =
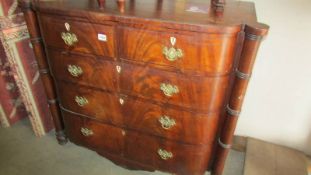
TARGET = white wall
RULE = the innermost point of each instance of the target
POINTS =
(277, 107)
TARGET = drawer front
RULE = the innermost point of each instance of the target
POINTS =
(200, 93)
(174, 124)
(98, 104)
(167, 156)
(86, 70)
(93, 135)
(210, 53)
(78, 36)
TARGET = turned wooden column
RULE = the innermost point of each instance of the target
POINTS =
(38, 47)
(253, 36)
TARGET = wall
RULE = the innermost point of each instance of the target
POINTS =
(277, 107)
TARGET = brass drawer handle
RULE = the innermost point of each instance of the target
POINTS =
(169, 89)
(172, 53)
(86, 132)
(81, 101)
(68, 37)
(74, 70)
(167, 122)
(165, 155)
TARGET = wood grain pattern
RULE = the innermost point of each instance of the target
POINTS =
(136, 146)
(101, 105)
(202, 53)
(191, 127)
(140, 115)
(199, 93)
(186, 159)
(219, 41)
(97, 72)
(87, 35)
(105, 137)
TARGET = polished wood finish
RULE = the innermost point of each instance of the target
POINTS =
(150, 85)
(202, 53)
(86, 33)
(101, 105)
(104, 137)
(186, 159)
(143, 116)
(253, 36)
(38, 47)
(97, 72)
(195, 92)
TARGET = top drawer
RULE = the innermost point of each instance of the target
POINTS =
(78, 36)
(196, 52)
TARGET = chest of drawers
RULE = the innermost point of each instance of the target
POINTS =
(148, 84)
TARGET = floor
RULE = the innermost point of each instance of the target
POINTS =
(22, 153)
(264, 158)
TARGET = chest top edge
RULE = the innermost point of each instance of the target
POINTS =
(193, 15)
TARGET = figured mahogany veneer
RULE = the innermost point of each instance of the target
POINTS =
(190, 127)
(196, 92)
(96, 72)
(137, 147)
(86, 33)
(104, 137)
(202, 53)
(148, 84)
(186, 159)
(140, 115)
(100, 105)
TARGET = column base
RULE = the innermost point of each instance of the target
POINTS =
(61, 137)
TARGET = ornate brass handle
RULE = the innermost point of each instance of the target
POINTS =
(86, 132)
(172, 53)
(167, 122)
(74, 70)
(169, 89)
(165, 154)
(68, 37)
(81, 101)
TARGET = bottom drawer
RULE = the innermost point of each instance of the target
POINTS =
(167, 156)
(136, 147)
(94, 135)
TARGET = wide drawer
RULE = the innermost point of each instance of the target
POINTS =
(78, 36)
(97, 104)
(93, 135)
(87, 70)
(167, 156)
(209, 53)
(199, 93)
(171, 123)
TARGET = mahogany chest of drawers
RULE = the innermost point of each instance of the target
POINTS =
(148, 84)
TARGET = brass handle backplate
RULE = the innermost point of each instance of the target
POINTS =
(172, 53)
(74, 70)
(86, 132)
(165, 155)
(81, 101)
(168, 89)
(69, 37)
(167, 122)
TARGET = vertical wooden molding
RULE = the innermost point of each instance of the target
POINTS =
(253, 35)
(36, 40)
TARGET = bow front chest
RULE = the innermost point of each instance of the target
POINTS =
(148, 84)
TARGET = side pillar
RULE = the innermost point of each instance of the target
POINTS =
(253, 36)
(38, 47)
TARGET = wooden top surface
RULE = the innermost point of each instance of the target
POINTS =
(193, 12)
